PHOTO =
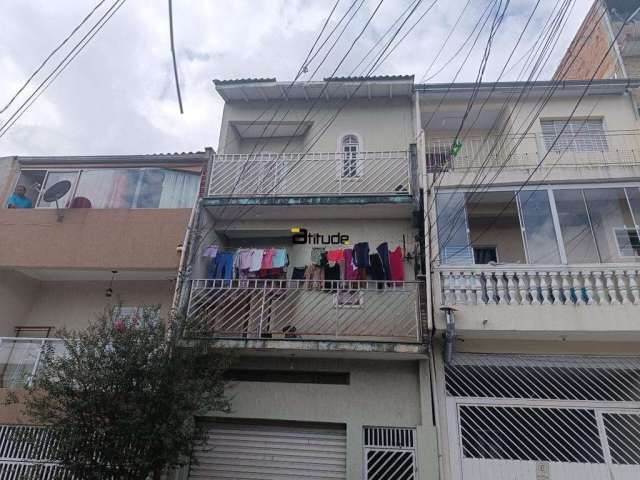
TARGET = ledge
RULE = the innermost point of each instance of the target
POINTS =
(308, 200)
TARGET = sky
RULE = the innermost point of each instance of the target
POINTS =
(118, 95)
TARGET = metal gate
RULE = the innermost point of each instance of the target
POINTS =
(244, 451)
(544, 418)
(390, 453)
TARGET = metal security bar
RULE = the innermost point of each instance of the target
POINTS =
(389, 453)
(20, 359)
(26, 452)
(301, 309)
(540, 377)
(590, 148)
(359, 173)
(580, 285)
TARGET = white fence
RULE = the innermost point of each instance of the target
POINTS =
(300, 309)
(540, 285)
(526, 151)
(20, 358)
(310, 174)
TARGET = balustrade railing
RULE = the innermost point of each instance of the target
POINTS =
(20, 359)
(540, 285)
(302, 174)
(526, 151)
(301, 309)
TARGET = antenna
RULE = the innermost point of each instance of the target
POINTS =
(55, 192)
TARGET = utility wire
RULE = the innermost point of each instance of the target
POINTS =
(173, 56)
(53, 52)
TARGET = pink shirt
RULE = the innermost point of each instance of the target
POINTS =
(267, 259)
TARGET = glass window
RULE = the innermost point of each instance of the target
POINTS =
(539, 231)
(32, 181)
(350, 148)
(577, 136)
(54, 177)
(579, 242)
(493, 220)
(136, 188)
(453, 235)
(610, 214)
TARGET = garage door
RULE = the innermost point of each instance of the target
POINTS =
(242, 451)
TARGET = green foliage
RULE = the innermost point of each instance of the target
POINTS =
(122, 400)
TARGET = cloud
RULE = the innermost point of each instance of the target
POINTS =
(118, 96)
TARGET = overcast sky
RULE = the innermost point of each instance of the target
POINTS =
(118, 95)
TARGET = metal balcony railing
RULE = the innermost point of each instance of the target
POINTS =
(611, 149)
(303, 310)
(20, 359)
(361, 173)
(580, 285)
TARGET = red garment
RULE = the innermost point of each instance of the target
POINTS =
(335, 255)
(267, 258)
(350, 270)
(396, 263)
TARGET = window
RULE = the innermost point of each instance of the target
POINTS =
(350, 149)
(628, 242)
(390, 453)
(578, 135)
(484, 255)
(115, 187)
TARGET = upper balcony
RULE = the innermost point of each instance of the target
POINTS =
(364, 316)
(550, 262)
(513, 153)
(310, 179)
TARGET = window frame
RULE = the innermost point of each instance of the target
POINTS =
(346, 163)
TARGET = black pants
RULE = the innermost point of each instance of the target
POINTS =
(331, 276)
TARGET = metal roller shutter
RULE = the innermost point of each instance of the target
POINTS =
(243, 451)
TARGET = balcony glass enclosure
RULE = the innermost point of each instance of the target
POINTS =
(546, 225)
(114, 187)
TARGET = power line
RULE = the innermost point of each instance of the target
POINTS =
(53, 52)
(173, 56)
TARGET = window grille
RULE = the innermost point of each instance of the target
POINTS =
(623, 436)
(389, 453)
(555, 378)
(578, 135)
(350, 149)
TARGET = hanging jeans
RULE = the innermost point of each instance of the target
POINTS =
(383, 251)
(222, 266)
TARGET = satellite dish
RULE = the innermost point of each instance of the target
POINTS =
(55, 192)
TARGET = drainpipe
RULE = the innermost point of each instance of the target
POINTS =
(449, 334)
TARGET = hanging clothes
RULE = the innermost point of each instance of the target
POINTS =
(383, 251)
(376, 269)
(396, 263)
(280, 259)
(221, 266)
(267, 258)
(315, 276)
(361, 255)
(256, 259)
(350, 270)
(331, 276)
(211, 251)
(244, 256)
(298, 273)
(316, 255)
(335, 255)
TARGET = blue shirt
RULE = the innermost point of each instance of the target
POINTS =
(19, 202)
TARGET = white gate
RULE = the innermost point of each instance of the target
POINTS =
(389, 453)
(543, 418)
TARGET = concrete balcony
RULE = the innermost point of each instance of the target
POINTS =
(299, 315)
(310, 174)
(548, 301)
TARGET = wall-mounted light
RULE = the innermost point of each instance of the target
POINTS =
(109, 291)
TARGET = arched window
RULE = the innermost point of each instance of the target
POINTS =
(350, 148)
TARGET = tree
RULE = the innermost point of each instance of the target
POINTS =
(121, 401)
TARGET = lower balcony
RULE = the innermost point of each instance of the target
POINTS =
(20, 359)
(364, 316)
(579, 302)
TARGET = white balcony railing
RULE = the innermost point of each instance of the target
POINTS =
(580, 285)
(303, 310)
(20, 359)
(364, 173)
(611, 149)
